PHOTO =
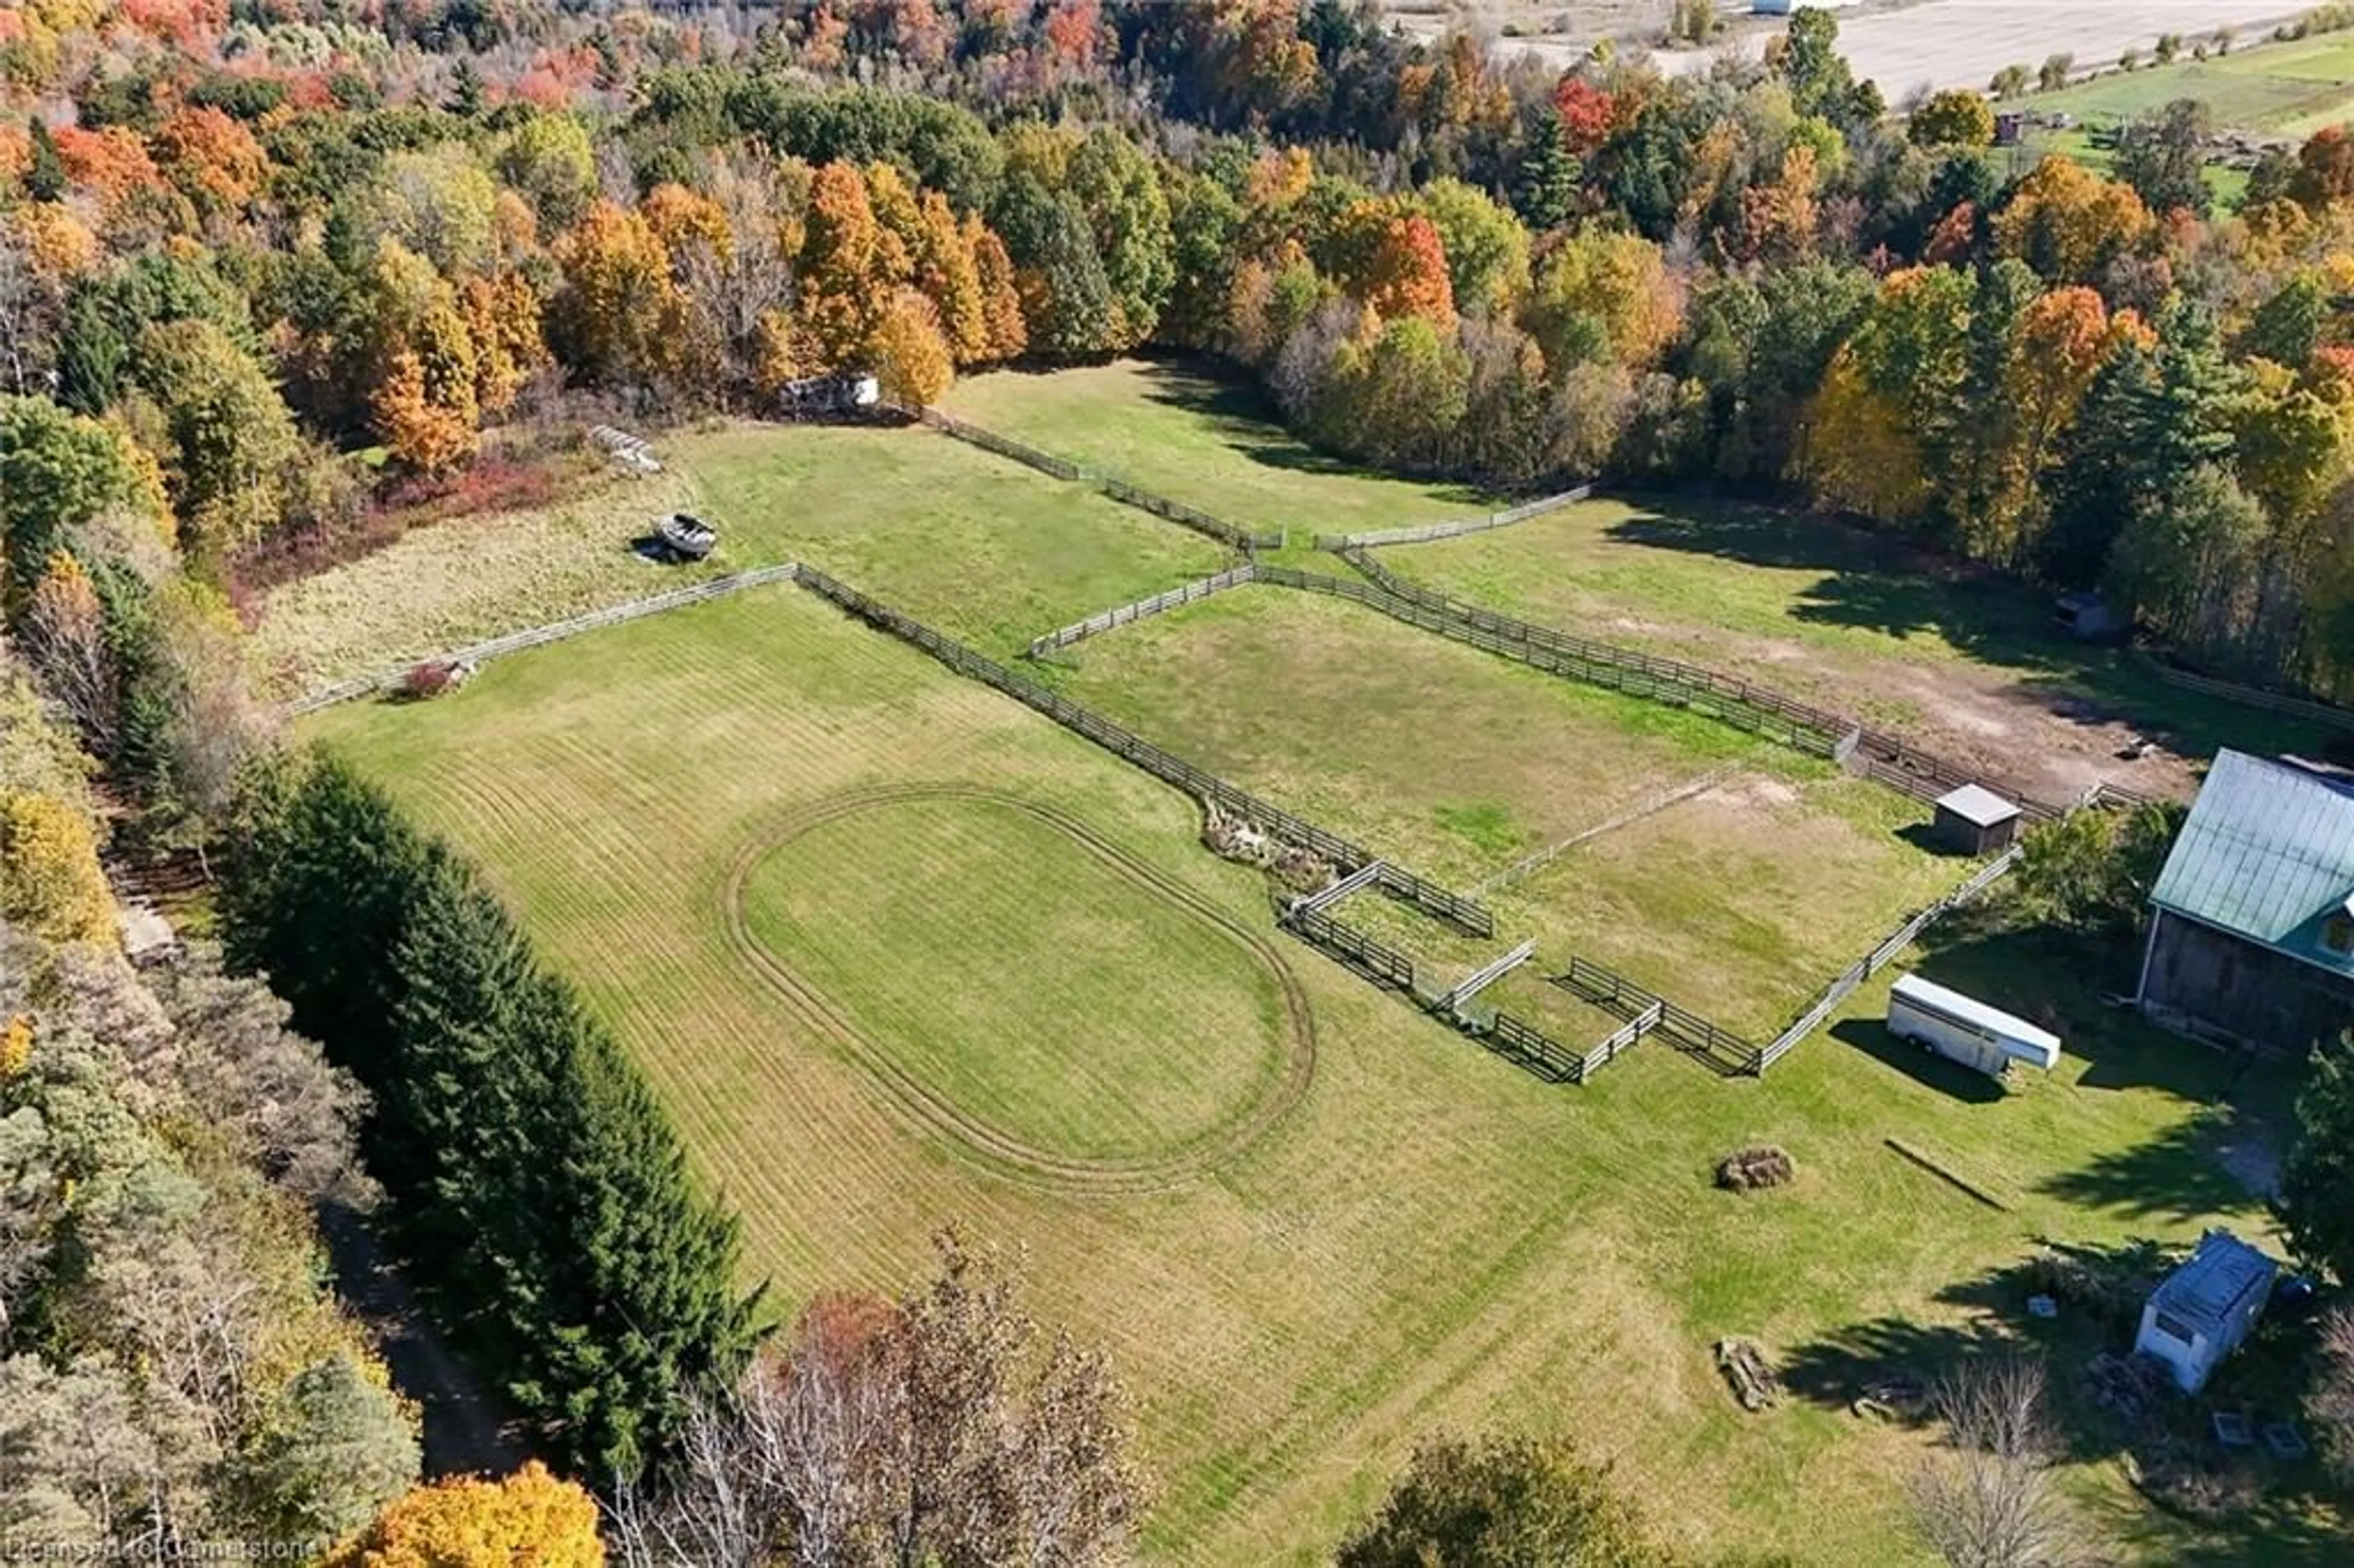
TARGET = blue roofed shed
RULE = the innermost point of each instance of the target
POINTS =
(2200, 1312)
(2251, 930)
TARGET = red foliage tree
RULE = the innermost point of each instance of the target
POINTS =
(1587, 113)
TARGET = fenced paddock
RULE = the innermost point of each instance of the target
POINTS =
(1354, 950)
(1466, 914)
(1721, 1050)
(1871, 963)
(1159, 604)
(1742, 704)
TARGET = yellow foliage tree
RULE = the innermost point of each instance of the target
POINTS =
(502, 315)
(620, 306)
(1854, 449)
(49, 879)
(15, 1047)
(530, 1520)
(909, 352)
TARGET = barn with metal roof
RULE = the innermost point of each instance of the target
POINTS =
(2252, 924)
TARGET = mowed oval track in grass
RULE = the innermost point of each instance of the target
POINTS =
(1022, 986)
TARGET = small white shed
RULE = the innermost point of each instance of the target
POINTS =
(1974, 820)
(2202, 1310)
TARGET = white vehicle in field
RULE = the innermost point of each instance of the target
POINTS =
(1967, 1030)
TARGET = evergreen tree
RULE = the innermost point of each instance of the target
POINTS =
(536, 1188)
(2288, 327)
(45, 176)
(2097, 476)
(1546, 192)
(1066, 297)
(2316, 1189)
(465, 90)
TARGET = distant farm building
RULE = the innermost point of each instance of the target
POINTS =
(2089, 617)
(2200, 1312)
(2251, 929)
(1974, 820)
(829, 397)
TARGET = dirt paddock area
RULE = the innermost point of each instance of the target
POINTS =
(1903, 47)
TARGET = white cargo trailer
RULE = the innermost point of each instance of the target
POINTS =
(1967, 1030)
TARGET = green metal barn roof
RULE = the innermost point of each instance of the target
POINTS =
(2268, 854)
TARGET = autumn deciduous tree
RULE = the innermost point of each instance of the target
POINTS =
(2068, 223)
(1498, 1503)
(851, 266)
(1601, 295)
(1992, 1498)
(58, 471)
(529, 1518)
(1000, 300)
(214, 160)
(947, 1427)
(1398, 267)
(1955, 118)
(49, 879)
(616, 310)
(64, 635)
(909, 353)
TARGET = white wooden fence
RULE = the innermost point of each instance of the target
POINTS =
(1486, 975)
(1880, 956)
(1200, 588)
(611, 615)
(1424, 533)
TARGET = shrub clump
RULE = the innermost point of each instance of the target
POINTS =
(1748, 1170)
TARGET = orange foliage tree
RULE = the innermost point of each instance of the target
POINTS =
(2068, 223)
(530, 1520)
(851, 266)
(213, 159)
(619, 311)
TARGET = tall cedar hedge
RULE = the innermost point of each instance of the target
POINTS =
(536, 1191)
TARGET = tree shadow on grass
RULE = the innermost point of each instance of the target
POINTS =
(1247, 419)
(2181, 1174)
(2061, 982)
(1888, 586)
(2293, 1508)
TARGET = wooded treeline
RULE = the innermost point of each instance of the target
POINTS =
(172, 1370)
(256, 269)
(535, 1192)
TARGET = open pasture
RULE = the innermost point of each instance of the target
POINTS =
(2288, 90)
(1968, 666)
(1176, 428)
(1414, 1234)
(1450, 760)
(837, 901)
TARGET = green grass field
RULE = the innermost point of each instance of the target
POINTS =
(896, 951)
(1968, 663)
(1422, 1234)
(974, 545)
(1173, 428)
(2287, 91)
